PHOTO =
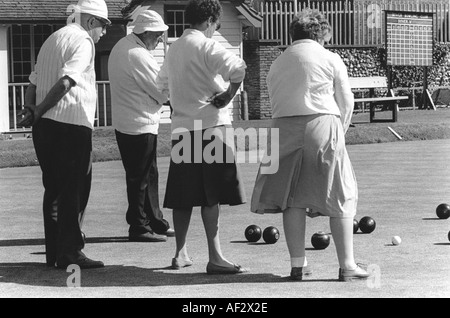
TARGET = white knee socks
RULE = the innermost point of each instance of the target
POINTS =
(299, 261)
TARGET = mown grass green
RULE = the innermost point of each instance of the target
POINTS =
(411, 125)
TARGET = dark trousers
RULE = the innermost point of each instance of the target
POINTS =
(64, 155)
(138, 154)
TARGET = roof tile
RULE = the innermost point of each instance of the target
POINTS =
(49, 9)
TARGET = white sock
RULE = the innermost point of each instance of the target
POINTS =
(299, 261)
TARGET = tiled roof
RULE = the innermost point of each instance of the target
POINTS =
(133, 4)
(49, 10)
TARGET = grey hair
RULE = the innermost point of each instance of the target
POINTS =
(309, 24)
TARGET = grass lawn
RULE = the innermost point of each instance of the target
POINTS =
(411, 125)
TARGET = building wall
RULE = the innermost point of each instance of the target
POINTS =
(259, 56)
(230, 35)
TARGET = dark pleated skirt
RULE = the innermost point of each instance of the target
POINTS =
(203, 170)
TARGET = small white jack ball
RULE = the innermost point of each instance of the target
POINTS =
(396, 240)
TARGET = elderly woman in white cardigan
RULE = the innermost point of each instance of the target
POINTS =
(312, 106)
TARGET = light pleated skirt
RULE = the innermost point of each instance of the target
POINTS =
(314, 169)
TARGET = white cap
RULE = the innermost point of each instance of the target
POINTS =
(148, 20)
(97, 8)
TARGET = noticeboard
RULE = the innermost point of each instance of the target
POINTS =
(409, 38)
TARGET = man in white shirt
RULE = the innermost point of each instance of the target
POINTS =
(136, 104)
(60, 103)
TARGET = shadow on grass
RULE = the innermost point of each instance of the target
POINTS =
(38, 274)
(250, 243)
(41, 241)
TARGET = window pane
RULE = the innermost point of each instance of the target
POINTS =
(179, 17)
(171, 32)
(38, 41)
(26, 55)
(46, 29)
(18, 68)
(175, 20)
(179, 29)
(26, 29)
(26, 41)
(26, 68)
(170, 18)
(17, 54)
(17, 40)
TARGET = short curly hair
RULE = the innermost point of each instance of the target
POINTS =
(198, 11)
(309, 24)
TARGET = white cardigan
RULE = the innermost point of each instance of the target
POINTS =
(308, 79)
(196, 68)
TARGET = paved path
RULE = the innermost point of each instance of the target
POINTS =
(400, 185)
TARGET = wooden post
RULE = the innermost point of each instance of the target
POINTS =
(4, 99)
(244, 105)
(389, 77)
(425, 88)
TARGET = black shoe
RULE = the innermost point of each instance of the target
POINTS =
(85, 263)
(147, 237)
(297, 273)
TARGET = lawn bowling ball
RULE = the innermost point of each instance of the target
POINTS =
(271, 235)
(355, 226)
(320, 240)
(448, 236)
(396, 240)
(367, 224)
(253, 233)
(443, 211)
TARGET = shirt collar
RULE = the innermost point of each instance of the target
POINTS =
(134, 38)
(76, 25)
(193, 31)
(304, 41)
(79, 27)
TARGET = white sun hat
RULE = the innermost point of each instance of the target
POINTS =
(148, 20)
(97, 8)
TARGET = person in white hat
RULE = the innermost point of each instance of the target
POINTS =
(136, 105)
(60, 104)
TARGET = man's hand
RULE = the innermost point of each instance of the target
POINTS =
(26, 117)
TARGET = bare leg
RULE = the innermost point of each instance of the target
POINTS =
(210, 216)
(342, 231)
(294, 224)
(181, 220)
